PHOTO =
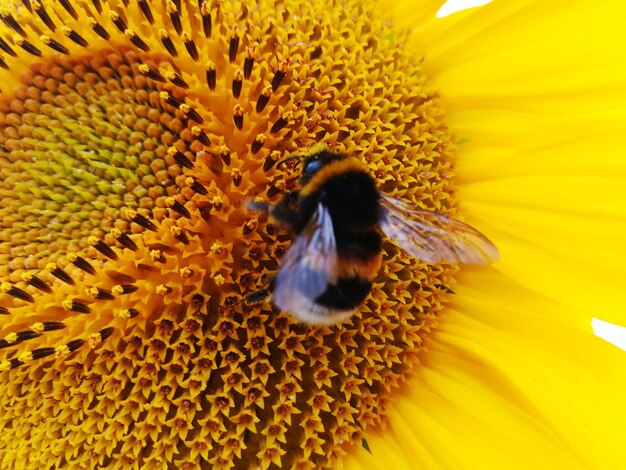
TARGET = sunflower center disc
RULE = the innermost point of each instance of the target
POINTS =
(131, 138)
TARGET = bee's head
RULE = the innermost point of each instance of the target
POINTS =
(313, 161)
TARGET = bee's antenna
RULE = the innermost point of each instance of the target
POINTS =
(289, 158)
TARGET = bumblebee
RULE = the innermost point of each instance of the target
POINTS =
(338, 217)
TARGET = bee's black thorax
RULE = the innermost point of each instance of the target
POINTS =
(351, 198)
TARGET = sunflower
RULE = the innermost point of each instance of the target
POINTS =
(134, 132)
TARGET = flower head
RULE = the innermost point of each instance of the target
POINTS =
(133, 137)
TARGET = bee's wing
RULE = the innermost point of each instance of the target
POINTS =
(309, 264)
(433, 237)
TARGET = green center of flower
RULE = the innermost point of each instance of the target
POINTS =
(80, 147)
(131, 138)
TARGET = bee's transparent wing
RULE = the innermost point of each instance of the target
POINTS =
(309, 264)
(433, 237)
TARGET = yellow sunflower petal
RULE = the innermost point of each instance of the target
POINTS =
(536, 96)
(529, 49)
(409, 14)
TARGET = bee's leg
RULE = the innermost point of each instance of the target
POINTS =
(285, 212)
(260, 296)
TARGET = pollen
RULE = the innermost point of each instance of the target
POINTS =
(132, 135)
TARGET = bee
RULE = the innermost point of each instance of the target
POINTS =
(338, 217)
